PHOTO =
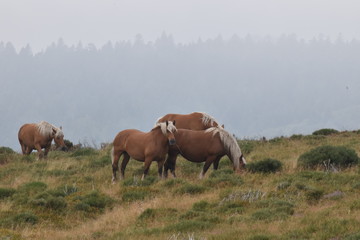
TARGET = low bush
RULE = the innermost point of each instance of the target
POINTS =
(84, 152)
(6, 150)
(24, 218)
(188, 226)
(100, 162)
(135, 194)
(325, 131)
(336, 155)
(93, 201)
(32, 187)
(134, 181)
(247, 146)
(50, 200)
(6, 192)
(191, 189)
(223, 178)
(268, 165)
(313, 195)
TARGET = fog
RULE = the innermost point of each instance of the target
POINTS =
(262, 68)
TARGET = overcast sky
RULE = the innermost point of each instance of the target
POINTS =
(41, 22)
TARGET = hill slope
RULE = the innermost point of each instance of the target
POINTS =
(70, 196)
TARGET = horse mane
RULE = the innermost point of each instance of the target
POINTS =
(46, 129)
(229, 142)
(208, 120)
(162, 125)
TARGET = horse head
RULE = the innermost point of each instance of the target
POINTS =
(170, 129)
(242, 161)
(59, 139)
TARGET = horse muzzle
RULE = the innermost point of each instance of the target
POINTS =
(63, 148)
(172, 142)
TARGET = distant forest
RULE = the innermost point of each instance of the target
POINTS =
(255, 85)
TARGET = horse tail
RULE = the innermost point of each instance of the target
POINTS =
(112, 155)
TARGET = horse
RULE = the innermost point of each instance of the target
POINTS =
(193, 121)
(144, 147)
(207, 146)
(38, 136)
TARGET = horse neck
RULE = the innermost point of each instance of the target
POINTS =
(158, 135)
(231, 148)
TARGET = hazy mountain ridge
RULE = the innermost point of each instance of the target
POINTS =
(255, 86)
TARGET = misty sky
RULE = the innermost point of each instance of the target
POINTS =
(41, 22)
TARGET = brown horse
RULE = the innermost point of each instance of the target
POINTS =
(144, 147)
(38, 136)
(205, 146)
(193, 121)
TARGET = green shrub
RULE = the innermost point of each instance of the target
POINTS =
(338, 155)
(84, 152)
(296, 137)
(33, 187)
(6, 192)
(25, 218)
(50, 200)
(100, 162)
(6, 150)
(93, 200)
(222, 178)
(247, 146)
(191, 189)
(201, 206)
(160, 213)
(68, 144)
(188, 226)
(314, 195)
(231, 208)
(353, 236)
(149, 180)
(325, 131)
(260, 237)
(268, 165)
(135, 195)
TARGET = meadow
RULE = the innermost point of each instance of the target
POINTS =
(70, 196)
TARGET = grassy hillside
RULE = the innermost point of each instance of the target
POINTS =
(70, 196)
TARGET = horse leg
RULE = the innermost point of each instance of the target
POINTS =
(28, 150)
(47, 149)
(147, 163)
(115, 156)
(123, 165)
(208, 162)
(23, 147)
(170, 163)
(40, 153)
(216, 163)
(161, 163)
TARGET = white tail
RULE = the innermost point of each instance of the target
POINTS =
(112, 155)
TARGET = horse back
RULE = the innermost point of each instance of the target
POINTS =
(191, 121)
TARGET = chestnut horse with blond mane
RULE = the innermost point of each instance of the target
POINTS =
(192, 121)
(144, 147)
(38, 136)
(205, 146)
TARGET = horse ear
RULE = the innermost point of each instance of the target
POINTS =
(223, 126)
(60, 127)
(174, 122)
(167, 123)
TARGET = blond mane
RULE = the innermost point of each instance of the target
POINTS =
(170, 127)
(229, 143)
(208, 120)
(46, 129)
